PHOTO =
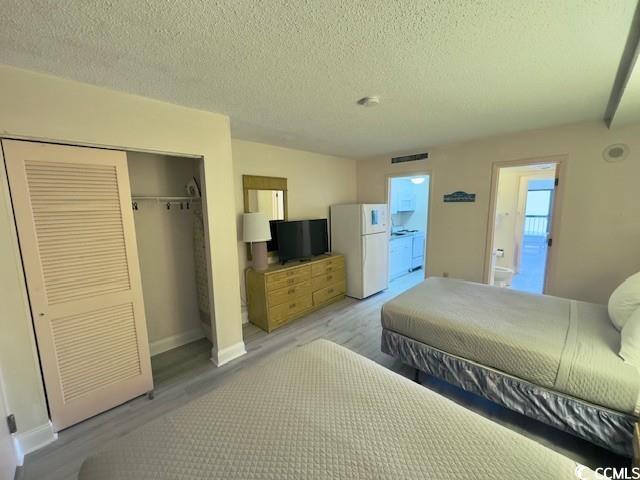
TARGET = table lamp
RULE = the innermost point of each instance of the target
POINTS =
(256, 231)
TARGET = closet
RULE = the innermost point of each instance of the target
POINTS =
(111, 275)
(167, 211)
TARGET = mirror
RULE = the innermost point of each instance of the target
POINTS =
(267, 195)
(269, 202)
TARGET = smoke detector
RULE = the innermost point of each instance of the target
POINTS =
(369, 101)
(616, 152)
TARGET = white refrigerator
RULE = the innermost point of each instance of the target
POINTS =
(360, 232)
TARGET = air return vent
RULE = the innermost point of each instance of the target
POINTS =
(410, 158)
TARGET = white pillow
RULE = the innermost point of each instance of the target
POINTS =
(630, 340)
(624, 301)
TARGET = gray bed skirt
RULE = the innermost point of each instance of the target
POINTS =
(606, 428)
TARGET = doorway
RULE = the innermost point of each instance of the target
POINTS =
(409, 212)
(521, 237)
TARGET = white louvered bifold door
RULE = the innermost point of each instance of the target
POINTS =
(75, 225)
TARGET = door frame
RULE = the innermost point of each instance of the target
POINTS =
(425, 172)
(554, 231)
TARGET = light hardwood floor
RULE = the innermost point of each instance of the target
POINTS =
(186, 373)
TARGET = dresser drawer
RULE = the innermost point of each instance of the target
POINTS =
(288, 278)
(329, 292)
(282, 295)
(283, 312)
(327, 266)
(326, 279)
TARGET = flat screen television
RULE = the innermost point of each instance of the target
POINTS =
(272, 245)
(301, 239)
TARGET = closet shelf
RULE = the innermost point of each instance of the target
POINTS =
(168, 201)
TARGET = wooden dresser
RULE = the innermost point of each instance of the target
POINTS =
(283, 293)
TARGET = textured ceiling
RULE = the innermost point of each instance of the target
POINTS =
(290, 72)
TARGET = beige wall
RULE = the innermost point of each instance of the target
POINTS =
(597, 242)
(165, 245)
(41, 106)
(314, 182)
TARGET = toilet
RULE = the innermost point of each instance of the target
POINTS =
(502, 276)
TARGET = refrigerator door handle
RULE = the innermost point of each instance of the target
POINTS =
(364, 250)
(365, 227)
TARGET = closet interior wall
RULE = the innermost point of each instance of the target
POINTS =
(165, 239)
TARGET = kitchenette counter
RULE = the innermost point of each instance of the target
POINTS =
(406, 234)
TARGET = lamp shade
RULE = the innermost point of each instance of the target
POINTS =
(255, 228)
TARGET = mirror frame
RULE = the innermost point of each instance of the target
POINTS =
(256, 182)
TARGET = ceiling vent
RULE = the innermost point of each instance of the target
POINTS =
(410, 158)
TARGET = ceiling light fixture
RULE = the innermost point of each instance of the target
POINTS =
(418, 180)
(369, 101)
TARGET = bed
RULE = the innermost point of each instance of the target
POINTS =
(550, 358)
(322, 411)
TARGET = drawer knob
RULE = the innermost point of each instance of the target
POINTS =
(329, 269)
(291, 290)
(292, 305)
(290, 282)
(329, 277)
(330, 290)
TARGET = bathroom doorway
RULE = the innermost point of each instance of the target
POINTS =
(409, 212)
(521, 234)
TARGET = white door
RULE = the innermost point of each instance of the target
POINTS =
(75, 226)
(375, 269)
(7, 453)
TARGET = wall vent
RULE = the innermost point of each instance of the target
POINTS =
(410, 158)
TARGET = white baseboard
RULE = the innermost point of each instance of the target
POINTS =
(175, 341)
(220, 357)
(32, 440)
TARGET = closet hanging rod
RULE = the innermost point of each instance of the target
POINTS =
(165, 199)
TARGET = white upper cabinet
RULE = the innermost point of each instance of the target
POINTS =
(403, 197)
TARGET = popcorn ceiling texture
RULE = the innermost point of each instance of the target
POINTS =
(289, 72)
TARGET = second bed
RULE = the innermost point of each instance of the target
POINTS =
(550, 358)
